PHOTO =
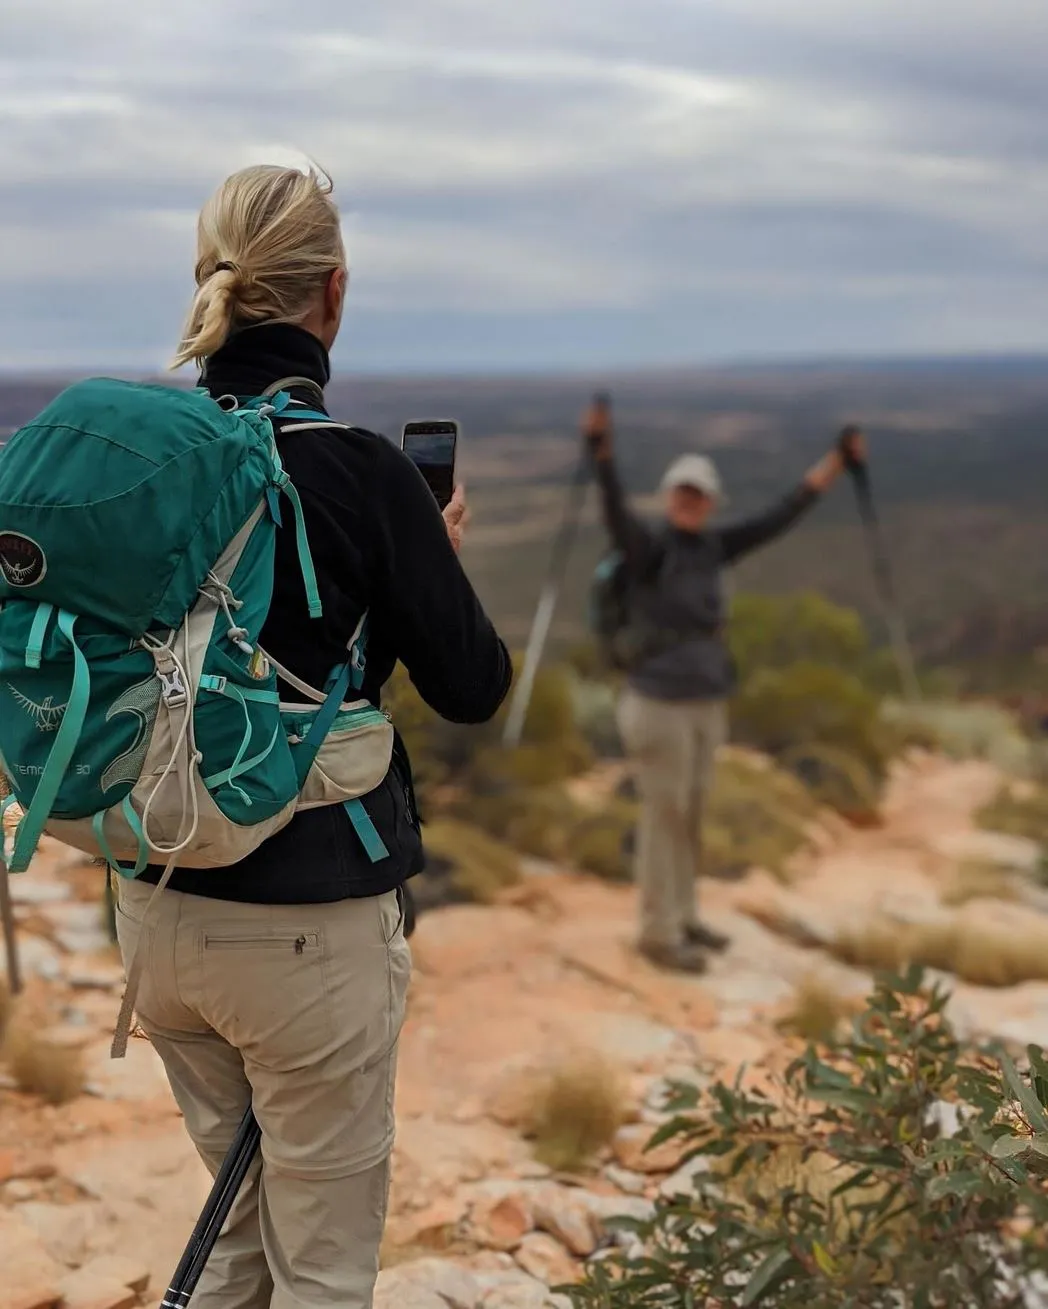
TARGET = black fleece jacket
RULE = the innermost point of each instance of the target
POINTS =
(378, 543)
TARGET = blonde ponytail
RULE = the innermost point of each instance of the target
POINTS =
(267, 241)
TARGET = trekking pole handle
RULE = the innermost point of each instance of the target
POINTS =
(597, 428)
(846, 442)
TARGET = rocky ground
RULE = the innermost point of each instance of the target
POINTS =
(98, 1196)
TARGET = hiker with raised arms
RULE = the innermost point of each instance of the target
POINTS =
(210, 623)
(662, 614)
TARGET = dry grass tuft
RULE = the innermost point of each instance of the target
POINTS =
(575, 1111)
(40, 1067)
(977, 880)
(1017, 812)
(986, 953)
(817, 1010)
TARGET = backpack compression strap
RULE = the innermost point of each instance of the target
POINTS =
(349, 674)
(66, 739)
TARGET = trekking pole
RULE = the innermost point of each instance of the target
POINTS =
(7, 916)
(213, 1216)
(882, 573)
(7, 909)
(558, 562)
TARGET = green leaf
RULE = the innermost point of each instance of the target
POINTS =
(1032, 1107)
(961, 1185)
(823, 1075)
(1013, 1170)
(825, 1260)
(766, 1276)
(859, 1101)
(852, 1183)
(1009, 1147)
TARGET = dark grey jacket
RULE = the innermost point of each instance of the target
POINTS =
(677, 593)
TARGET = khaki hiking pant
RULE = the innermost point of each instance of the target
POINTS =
(296, 1009)
(673, 747)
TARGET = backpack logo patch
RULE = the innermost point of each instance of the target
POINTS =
(22, 562)
(47, 715)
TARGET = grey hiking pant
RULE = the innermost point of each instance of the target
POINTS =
(297, 1010)
(673, 747)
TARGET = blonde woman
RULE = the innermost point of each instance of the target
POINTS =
(308, 1035)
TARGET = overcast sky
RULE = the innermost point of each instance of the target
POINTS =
(541, 183)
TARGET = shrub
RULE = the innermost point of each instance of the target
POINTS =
(964, 731)
(596, 711)
(586, 659)
(480, 866)
(836, 778)
(576, 1110)
(901, 1171)
(809, 704)
(530, 765)
(445, 753)
(757, 817)
(536, 822)
(551, 711)
(601, 842)
(770, 632)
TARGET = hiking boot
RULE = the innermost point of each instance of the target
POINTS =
(681, 958)
(701, 935)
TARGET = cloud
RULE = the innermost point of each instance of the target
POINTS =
(662, 178)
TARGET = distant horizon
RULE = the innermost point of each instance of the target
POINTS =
(769, 363)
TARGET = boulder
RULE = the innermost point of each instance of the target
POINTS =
(544, 1258)
(87, 1289)
(630, 1146)
(563, 1213)
(512, 1290)
(30, 1278)
(407, 1286)
(501, 1223)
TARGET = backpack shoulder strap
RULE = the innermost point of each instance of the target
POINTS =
(308, 420)
(302, 383)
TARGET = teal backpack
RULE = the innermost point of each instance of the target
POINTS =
(139, 715)
(609, 615)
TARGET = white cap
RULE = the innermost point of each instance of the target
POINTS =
(695, 471)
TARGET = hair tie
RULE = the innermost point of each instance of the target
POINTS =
(225, 266)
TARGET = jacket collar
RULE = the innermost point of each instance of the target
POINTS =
(256, 357)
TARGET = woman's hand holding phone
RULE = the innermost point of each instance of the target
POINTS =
(456, 516)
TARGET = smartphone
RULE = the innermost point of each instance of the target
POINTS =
(432, 446)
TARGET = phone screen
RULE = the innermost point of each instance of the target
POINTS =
(431, 448)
